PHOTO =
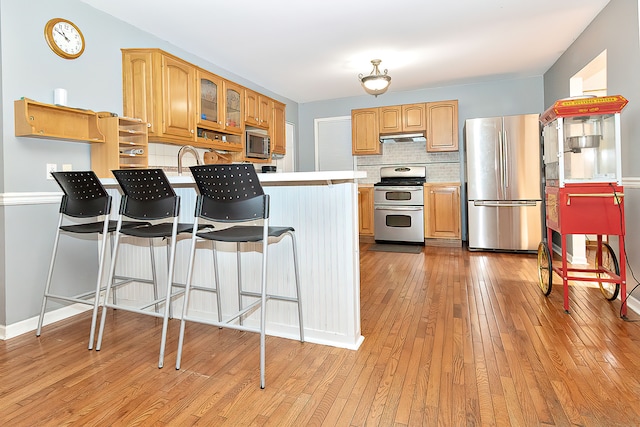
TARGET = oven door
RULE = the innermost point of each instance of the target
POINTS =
(400, 195)
(399, 223)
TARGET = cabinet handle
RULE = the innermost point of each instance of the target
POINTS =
(191, 130)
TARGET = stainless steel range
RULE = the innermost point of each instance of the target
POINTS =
(398, 201)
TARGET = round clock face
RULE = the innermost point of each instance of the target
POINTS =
(64, 38)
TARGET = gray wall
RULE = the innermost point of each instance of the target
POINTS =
(504, 97)
(616, 30)
(94, 81)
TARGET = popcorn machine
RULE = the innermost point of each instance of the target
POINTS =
(583, 190)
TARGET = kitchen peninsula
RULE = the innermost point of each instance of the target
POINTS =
(322, 207)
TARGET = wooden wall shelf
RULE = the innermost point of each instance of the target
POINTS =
(126, 145)
(38, 120)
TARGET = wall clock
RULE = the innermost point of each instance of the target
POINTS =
(64, 38)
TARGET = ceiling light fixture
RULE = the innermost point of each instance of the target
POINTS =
(375, 83)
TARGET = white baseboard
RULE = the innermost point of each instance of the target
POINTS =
(633, 303)
(31, 324)
(317, 337)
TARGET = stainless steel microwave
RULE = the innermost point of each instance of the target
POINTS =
(257, 145)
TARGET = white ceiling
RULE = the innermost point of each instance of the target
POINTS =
(313, 50)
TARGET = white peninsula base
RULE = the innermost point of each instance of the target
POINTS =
(322, 207)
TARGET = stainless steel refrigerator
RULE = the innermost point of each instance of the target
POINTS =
(504, 186)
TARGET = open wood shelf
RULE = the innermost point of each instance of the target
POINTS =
(126, 145)
(39, 120)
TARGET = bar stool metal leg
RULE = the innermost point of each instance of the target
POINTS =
(263, 303)
(114, 257)
(96, 302)
(167, 307)
(233, 194)
(297, 277)
(79, 298)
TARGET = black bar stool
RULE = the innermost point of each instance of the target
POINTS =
(232, 194)
(84, 198)
(147, 196)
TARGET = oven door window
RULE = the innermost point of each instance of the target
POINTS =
(397, 196)
(398, 220)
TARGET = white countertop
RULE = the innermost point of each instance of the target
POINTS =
(277, 178)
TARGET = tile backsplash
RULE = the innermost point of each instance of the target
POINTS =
(441, 167)
(165, 156)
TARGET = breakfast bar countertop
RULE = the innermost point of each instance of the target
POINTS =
(275, 178)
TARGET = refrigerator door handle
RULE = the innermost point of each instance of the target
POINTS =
(506, 170)
(510, 204)
(501, 163)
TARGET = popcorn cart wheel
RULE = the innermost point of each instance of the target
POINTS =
(608, 262)
(605, 261)
(545, 269)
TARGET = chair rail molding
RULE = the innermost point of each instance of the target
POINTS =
(37, 198)
(633, 182)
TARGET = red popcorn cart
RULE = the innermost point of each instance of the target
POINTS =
(583, 191)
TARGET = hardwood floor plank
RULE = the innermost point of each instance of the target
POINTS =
(452, 337)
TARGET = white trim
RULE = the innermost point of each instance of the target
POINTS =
(631, 182)
(15, 199)
(633, 303)
(31, 324)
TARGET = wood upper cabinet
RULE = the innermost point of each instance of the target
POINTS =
(413, 118)
(257, 109)
(442, 126)
(390, 119)
(160, 89)
(277, 130)
(402, 118)
(365, 137)
(178, 87)
(365, 210)
(442, 211)
(265, 110)
(251, 108)
(138, 87)
(209, 101)
(233, 107)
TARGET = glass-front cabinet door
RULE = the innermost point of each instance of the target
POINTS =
(233, 107)
(209, 100)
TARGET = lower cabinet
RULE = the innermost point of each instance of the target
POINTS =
(365, 210)
(442, 211)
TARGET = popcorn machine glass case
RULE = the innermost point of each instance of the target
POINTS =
(582, 141)
(583, 189)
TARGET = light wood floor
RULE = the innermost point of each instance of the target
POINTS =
(452, 338)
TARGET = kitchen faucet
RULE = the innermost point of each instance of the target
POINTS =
(181, 152)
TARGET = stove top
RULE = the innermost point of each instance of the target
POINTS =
(402, 175)
(404, 182)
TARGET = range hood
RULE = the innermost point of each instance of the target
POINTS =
(403, 137)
